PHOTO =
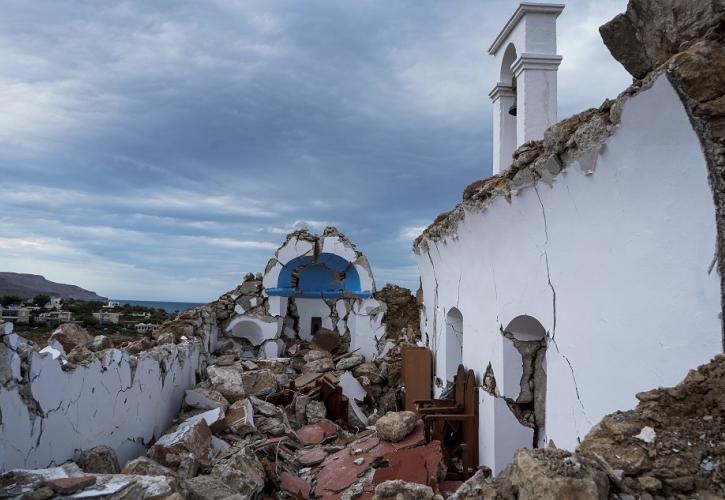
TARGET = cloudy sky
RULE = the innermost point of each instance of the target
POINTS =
(160, 150)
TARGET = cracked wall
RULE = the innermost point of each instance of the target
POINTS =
(52, 411)
(581, 250)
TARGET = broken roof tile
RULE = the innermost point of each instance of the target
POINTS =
(316, 433)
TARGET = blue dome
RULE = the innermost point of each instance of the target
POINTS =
(328, 277)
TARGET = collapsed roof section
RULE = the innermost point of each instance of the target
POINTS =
(318, 267)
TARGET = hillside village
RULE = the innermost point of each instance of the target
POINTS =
(566, 340)
(43, 313)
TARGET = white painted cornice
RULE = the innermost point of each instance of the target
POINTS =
(523, 8)
(501, 90)
(545, 62)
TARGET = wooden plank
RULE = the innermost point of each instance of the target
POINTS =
(417, 374)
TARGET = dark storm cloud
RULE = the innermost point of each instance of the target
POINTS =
(161, 149)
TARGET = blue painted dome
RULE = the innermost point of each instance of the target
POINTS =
(329, 276)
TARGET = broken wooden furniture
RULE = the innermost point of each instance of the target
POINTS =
(439, 430)
(417, 374)
(429, 406)
(465, 423)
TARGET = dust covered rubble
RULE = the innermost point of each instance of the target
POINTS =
(251, 425)
(256, 426)
(671, 445)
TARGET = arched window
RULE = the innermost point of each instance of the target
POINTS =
(524, 369)
(247, 330)
(506, 75)
(454, 342)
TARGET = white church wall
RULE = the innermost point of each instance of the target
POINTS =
(613, 259)
(365, 321)
(121, 400)
(312, 308)
(254, 329)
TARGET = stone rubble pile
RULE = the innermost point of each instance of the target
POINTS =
(300, 426)
(671, 446)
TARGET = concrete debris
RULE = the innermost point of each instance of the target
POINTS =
(260, 382)
(71, 335)
(257, 445)
(191, 438)
(202, 398)
(349, 362)
(214, 418)
(80, 355)
(647, 434)
(240, 417)
(325, 339)
(402, 313)
(395, 426)
(144, 466)
(99, 343)
(99, 460)
(240, 469)
(371, 371)
(228, 381)
(670, 446)
(401, 490)
(210, 488)
(315, 411)
(320, 365)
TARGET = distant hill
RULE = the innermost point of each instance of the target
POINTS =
(27, 286)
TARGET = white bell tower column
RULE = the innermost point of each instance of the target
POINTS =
(526, 65)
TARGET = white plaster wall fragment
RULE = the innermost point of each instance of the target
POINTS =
(6, 328)
(351, 387)
(311, 308)
(367, 282)
(294, 248)
(271, 275)
(110, 401)
(342, 307)
(364, 322)
(277, 306)
(271, 349)
(256, 329)
(334, 245)
(12, 340)
(211, 417)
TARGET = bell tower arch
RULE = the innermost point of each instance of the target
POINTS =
(524, 95)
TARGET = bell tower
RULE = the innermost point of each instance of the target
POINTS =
(524, 95)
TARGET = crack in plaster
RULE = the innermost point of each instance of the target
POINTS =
(573, 376)
(436, 336)
(546, 260)
(552, 337)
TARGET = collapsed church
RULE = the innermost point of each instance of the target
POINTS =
(587, 271)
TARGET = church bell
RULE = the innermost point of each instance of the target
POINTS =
(512, 109)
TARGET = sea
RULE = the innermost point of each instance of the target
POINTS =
(169, 307)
